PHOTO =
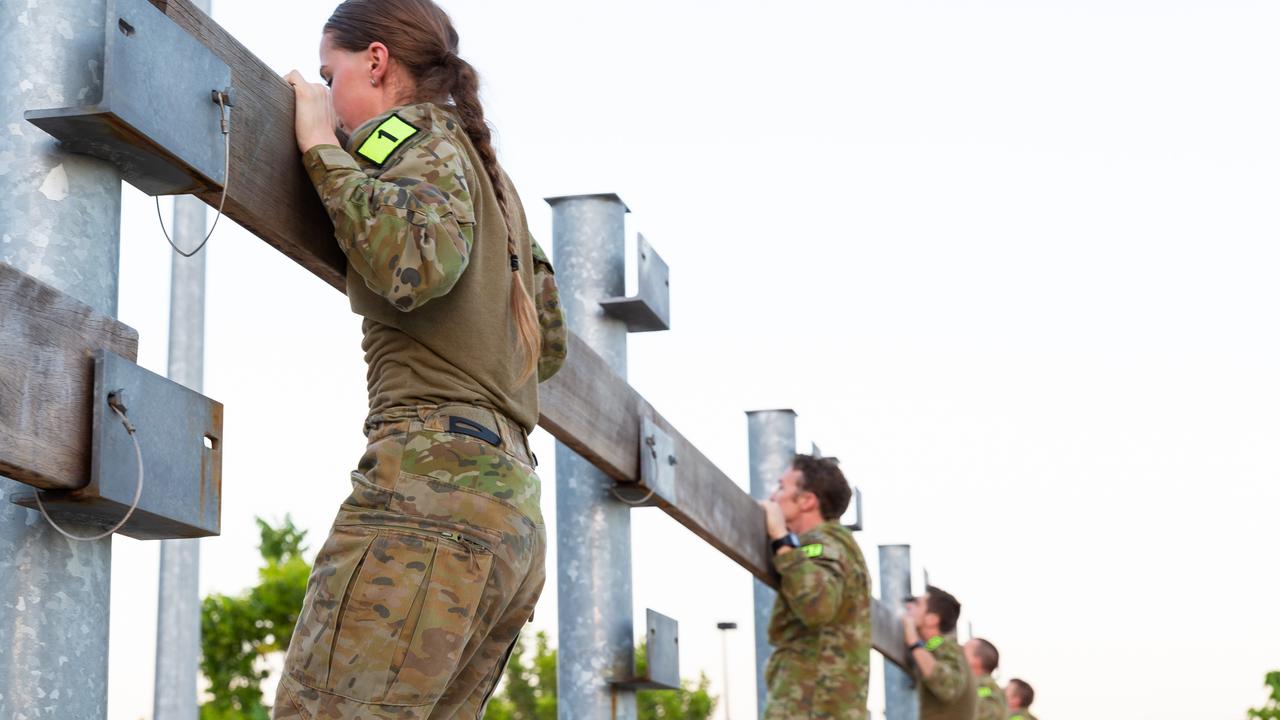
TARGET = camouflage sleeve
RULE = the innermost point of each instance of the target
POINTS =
(948, 678)
(408, 232)
(812, 582)
(550, 317)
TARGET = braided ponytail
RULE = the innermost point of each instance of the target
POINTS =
(420, 36)
(466, 97)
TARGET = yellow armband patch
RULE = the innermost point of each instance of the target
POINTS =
(813, 551)
(984, 692)
(391, 134)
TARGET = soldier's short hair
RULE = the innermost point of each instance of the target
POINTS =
(945, 606)
(1022, 690)
(823, 478)
(987, 655)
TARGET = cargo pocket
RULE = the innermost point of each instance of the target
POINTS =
(336, 566)
(378, 613)
(448, 619)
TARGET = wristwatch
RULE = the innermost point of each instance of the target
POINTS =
(788, 540)
(917, 644)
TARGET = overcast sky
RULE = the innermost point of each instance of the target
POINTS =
(1013, 262)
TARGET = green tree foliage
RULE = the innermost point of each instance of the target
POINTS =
(528, 690)
(238, 631)
(1270, 710)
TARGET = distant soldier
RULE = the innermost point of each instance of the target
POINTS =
(983, 660)
(821, 624)
(945, 683)
(1018, 694)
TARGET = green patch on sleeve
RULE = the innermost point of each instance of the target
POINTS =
(389, 135)
(984, 692)
(813, 551)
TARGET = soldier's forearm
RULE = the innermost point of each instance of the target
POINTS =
(924, 660)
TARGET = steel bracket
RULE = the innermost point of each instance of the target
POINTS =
(662, 656)
(154, 120)
(650, 309)
(180, 434)
(855, 509)
(657, 469)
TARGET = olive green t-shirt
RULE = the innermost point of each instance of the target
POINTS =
(429, 266)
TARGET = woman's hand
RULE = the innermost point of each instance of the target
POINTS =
(313, 117)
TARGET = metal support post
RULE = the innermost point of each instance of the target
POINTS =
(771, 439)
(900, 701)
(593, 529)
(178, 618)
(59, 222)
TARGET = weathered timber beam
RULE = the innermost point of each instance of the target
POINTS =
(268, 192)
(586, 406)
(47, 342)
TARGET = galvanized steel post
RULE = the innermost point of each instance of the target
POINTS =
(178, 610)
(178, 617)
(771, 440)
(593, 529)
(59, 222)
(900, 701)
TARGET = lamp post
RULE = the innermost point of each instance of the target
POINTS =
(724, 628)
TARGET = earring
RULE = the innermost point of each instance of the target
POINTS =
(373, 82)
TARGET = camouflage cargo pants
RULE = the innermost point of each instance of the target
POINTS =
(432, 568)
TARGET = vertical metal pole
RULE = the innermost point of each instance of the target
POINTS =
(59, 222)
(178, 617)
(724, 659)
(900, 701)
(178, 609)
(593, 529)
(771, 440)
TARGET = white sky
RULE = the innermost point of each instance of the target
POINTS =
(1012, 262)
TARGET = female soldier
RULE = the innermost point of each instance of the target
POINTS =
(435, 561)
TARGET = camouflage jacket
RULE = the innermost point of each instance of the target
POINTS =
(425, 238)
(820, 630)
(1023, 714)
(991, 704)
(950, 691)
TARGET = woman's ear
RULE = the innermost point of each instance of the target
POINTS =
(378, 57)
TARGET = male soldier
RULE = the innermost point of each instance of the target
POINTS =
(1018, 694)
(983, 660)
(821, 624)
(946, 685)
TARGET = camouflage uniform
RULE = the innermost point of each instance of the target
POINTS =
(950, 691)
(820, 630)
(1023, 714)
(991, 705)
(436, 559)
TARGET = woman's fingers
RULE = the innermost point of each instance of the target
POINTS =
(313, 116)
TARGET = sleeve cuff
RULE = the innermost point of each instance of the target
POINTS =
(321, 159)
(786, 561)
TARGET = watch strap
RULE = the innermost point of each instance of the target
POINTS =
(788, 540)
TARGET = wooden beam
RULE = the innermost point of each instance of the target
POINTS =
(268, 192)
(586, 405)
(47, 342)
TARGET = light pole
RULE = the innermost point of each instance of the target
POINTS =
(724, 628)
